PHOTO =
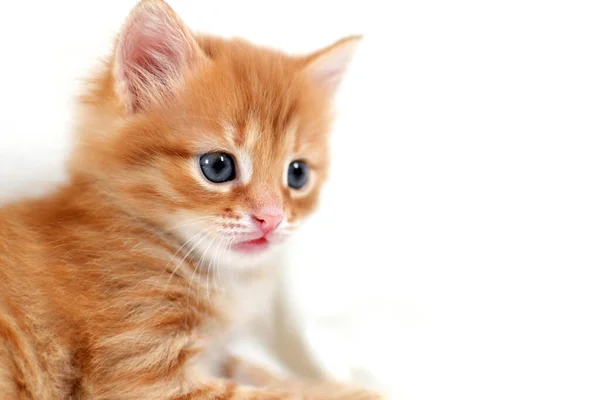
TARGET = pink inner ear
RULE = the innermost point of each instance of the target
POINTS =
(153, 51)
(329, 70)
(147, 48)
(329, 67)
(329, 77)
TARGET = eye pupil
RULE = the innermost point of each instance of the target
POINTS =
(218, 167)
(297, 174)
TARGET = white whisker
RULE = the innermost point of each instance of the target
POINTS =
(186, 256)
(202, 262)
(191, 282)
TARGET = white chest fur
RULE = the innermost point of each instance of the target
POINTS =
(239, 301)
(246, 298)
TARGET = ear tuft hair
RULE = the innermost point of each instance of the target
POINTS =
(327, 67)
(153, 51)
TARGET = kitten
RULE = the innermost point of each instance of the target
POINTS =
(193, 154)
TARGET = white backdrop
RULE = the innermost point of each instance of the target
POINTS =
(456, 254)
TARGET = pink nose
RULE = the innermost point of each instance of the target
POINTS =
(268, 221)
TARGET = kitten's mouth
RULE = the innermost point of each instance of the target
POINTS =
(252, 246)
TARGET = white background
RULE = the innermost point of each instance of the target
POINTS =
(456, 254)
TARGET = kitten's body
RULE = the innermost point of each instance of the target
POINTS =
(108, 287)
(59, 324)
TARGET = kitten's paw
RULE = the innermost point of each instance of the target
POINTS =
(342, 392)
(332, 391)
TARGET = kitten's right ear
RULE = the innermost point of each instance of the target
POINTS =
(152, 54)
(327, 67)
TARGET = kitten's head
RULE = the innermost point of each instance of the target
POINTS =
(218, 142)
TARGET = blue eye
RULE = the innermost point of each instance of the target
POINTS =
(217, 167)
(297, 174)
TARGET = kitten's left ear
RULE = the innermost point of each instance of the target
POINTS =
(327, 66)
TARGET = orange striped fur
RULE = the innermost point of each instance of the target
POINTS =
(107, 286)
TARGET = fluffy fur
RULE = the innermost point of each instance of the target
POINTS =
(107, 286)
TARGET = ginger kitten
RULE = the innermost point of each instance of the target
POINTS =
(194, 153)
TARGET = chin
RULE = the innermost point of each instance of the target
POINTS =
(223, 252)
(242, 257)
